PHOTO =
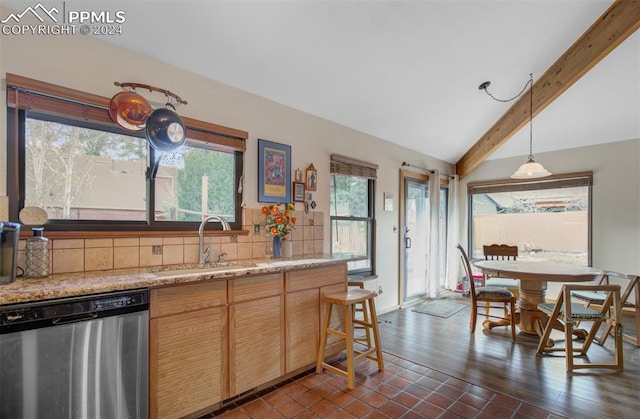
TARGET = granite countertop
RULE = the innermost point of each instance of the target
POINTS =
(84, 283)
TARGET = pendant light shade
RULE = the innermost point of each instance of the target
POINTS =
(530, 170)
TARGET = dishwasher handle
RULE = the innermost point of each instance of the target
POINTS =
(74, 319)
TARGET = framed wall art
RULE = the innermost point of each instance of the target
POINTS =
(311, 178)
(298, 192)
(274, 172)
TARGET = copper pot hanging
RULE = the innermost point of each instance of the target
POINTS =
(130, 110)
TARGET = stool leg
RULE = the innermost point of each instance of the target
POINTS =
(348, 329)
(366, 318)
(323, 337)
(376, 334)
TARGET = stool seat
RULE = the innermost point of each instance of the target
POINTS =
(348, 301)
(353, 295)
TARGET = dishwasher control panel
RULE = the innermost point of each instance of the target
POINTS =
(110, 303)
(71, 309)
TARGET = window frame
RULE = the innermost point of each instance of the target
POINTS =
(558, 181)
(346, 166)
(59, 104)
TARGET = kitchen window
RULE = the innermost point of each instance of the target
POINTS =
(548, 219)
(352, 192)
(88, 173)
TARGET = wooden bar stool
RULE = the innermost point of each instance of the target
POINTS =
(348, 300)
(360, 309)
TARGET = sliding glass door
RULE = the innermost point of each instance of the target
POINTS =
(415, 229)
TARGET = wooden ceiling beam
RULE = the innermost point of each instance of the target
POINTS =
(615, 25)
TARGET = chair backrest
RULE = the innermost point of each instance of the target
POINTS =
(467, 268)
(630, 299)
(633, 286)
(500, 251)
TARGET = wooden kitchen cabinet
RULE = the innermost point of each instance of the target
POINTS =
(187, 349)
(302, 307)
(256, 331)
(213, 340)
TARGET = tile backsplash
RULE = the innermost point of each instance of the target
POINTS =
(96, 254)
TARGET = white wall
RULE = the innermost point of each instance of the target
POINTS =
(616, 197)
(91, 65)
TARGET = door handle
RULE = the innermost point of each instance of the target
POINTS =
(407, 243)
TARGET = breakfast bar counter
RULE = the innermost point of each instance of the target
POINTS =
(24, 290)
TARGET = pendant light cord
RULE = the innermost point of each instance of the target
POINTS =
(529, 84)
(486, 84)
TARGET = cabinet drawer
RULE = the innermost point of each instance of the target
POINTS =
(315, 277)
(254, 287)
(187, 297)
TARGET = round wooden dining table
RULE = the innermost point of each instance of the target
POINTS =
(533, 277)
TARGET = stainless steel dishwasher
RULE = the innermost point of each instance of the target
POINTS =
(82, 357)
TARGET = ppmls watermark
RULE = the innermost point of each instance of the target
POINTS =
(60, 21)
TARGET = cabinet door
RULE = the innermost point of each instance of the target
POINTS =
(186, 362)
(302, 310)
(256, 343)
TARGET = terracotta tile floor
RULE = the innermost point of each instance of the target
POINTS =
(403, 390)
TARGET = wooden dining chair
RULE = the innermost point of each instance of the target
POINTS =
(501, 252)
(631, 290)
(565, 313)
(494, 297)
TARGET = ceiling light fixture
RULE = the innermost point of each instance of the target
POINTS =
(531, 169)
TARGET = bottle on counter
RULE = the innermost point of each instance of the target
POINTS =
(37, 262)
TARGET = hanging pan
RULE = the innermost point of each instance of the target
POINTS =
(165, 130)
(129, 110)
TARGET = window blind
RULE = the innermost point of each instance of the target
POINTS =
(348, 166)
(568, 180)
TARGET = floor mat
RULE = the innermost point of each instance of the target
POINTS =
(438, 308)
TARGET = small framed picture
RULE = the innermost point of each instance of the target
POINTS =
(298, 192)
(299, 176)
(311, 178)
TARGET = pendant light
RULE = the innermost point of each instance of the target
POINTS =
(531, 169)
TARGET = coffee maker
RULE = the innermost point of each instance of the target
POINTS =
(9, 237)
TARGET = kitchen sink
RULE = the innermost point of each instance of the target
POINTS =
(288, 262)
(171, 270)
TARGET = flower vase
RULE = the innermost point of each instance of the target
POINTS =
(277, 248)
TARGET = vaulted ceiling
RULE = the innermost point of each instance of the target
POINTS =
(404, 71)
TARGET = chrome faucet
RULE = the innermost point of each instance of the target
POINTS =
(204, 254)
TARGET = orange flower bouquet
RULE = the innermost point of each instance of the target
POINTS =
(279, 221)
